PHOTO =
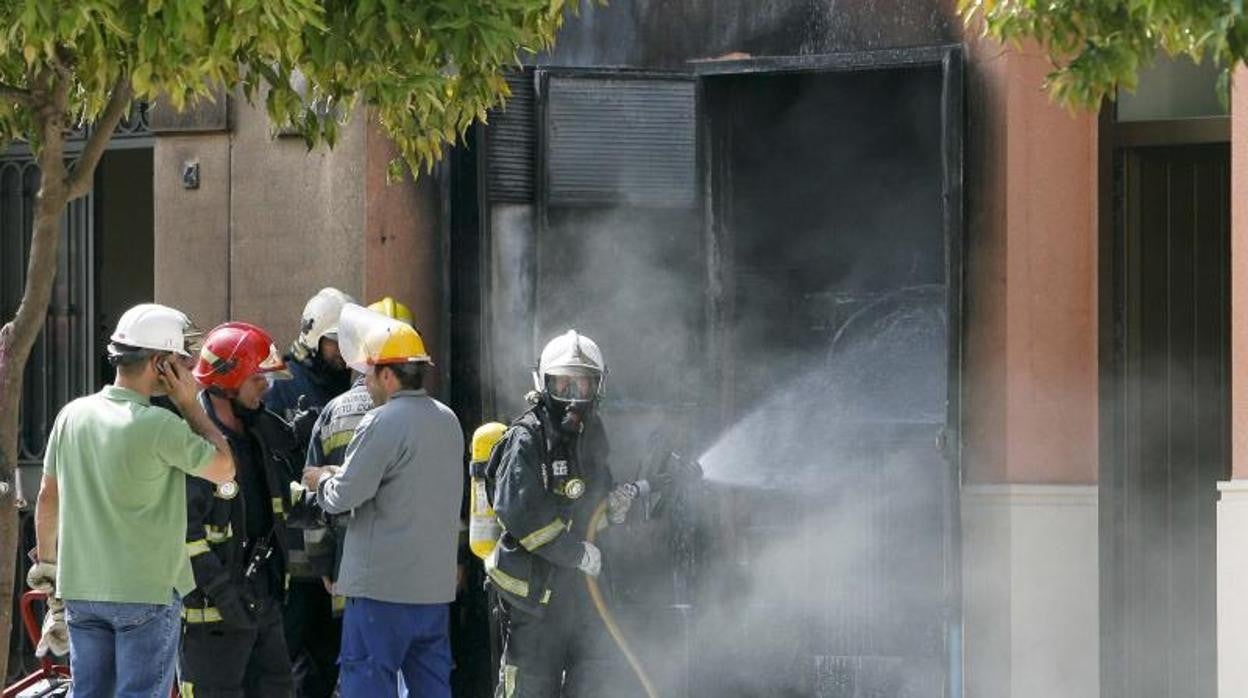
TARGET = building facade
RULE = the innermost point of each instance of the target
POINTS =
(960, 365)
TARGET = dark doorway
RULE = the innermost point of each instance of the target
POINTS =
(124, 239)
(832, 532)
(1166, 420)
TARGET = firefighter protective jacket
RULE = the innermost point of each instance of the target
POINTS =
(315, 385)
(216, 527)
(544, 524)
(330, 435)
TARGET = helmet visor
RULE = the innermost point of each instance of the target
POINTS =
(192, 340)
(573, 386)
(273, 367)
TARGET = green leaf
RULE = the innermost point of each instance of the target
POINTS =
(427, 70)
(141, 78)
(1097, 47)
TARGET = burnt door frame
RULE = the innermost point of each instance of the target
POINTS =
(949, 59)
(1115, 141)
(717, 189)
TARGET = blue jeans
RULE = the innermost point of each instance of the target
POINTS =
(381, 640)
(127, 650)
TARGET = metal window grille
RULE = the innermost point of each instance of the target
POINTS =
(61, 365)
(621, 140)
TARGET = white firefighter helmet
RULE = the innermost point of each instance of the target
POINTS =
(320, 318)
(571, 355)
(154, 327)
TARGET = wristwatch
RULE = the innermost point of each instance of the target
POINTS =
(227, 490)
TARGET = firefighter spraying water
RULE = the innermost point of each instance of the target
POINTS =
(550, 494)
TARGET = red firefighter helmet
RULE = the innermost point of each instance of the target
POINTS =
(234, 352)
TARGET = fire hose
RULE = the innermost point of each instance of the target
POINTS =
(604, 611)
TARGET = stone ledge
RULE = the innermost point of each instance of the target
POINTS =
(1233, 491)
(1032, 495)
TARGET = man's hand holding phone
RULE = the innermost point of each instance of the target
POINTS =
(179, 383)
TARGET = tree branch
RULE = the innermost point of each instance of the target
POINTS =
(61, 62)
(79, 181)
(15, 94)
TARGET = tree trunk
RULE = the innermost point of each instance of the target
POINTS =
(18, 336)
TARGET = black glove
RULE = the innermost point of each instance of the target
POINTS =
(303, 422)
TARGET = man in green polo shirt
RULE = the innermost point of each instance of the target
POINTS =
(110, 521)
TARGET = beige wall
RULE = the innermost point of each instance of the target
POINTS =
(1030, 574)
(1232, 602)
(270, 224)
(296, 222)
(192, 227)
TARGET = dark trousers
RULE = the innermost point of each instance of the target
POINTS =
(382, 641)
(220, 661)
(566, 652)
(313, 636)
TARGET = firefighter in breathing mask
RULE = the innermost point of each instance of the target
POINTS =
(547, 475)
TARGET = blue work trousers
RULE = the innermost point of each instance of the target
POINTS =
(383, 640)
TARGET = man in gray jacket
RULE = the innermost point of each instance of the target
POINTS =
(402, 478)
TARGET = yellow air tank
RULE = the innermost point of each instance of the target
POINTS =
(483, 527)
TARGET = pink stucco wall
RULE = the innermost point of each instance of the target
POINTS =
(1031, 402)
(1239, 277)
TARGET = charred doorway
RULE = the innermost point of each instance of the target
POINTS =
(1166, 416)
(829, 551)
(769, 253)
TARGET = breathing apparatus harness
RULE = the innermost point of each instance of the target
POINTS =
(556, 479)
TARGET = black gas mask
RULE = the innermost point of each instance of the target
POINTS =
(568, 417)
(332, 377)
(570, 398)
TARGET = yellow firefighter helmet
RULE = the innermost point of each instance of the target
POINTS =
(391, 308)
(368, 338)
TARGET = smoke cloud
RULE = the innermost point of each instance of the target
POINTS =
(815, 559)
